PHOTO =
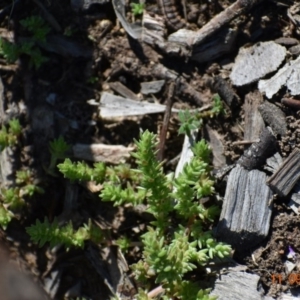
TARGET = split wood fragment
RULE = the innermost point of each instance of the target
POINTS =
(220, 44)
(286, 177)
(123, 90)
(246, 212)
(254, 123)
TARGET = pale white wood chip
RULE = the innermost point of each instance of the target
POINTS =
(255, 62)
(289, 75)
(186, 153)
(114, 106)
(152, 87)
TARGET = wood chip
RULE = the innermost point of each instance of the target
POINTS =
(236, 285)
(112, 106)
(255, 62)
(215, 142)
(152, 87)
(186, 153)
(123, 90)
(254, 123)
(294, 203)
(215, 47)
(273, 162)
(286, 177)
(114, 154)
(246, 212)
(288, 75)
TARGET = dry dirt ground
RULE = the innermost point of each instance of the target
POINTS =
(52, 100)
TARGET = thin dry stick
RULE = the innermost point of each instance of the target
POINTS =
(244, 142)
(164, 128)
(223, 18)
(294, 103)
(155, 292)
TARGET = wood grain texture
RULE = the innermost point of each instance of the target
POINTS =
(246, 211)
(286, 177)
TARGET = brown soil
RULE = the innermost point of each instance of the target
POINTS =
(108, 55)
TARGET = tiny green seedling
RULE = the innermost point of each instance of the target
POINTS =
(58, 150)
(37, 27)
(9, 135)
(9, 50)
(137, 9)
(38, 31)
(191, 121)
(13, 198)
(218, 107)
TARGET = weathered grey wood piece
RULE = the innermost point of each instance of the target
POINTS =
(273, 163)
(294, 203)
(286, 177)
(152, 87)
(254, 123)
(112, 106)
(215, 47)
(123, 90)
(237, 286)
(253, 63)
(288, 75)
(215, 141)
(246, 212)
